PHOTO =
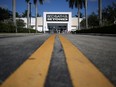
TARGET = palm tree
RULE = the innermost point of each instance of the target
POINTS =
(100, 11)
(86, 14)
(36, 11)
(78, 4)
(28, 14)
(14, 13)
(78, 16)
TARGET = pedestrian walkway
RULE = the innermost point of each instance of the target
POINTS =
(38, 69)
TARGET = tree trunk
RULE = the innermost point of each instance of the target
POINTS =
(36, 5)
(28, 15)
(86, 14)
(78, 17)
(100, 11)
(14, 13)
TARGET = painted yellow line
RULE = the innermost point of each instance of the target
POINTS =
(83, 73)
(33, 72)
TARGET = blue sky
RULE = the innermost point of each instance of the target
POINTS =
(53, 6)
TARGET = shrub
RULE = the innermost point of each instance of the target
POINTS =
(103, 30)
(9, 28)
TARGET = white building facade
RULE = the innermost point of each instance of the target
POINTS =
(55, 22)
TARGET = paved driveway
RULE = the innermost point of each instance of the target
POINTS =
(101, 50)
(15, 49)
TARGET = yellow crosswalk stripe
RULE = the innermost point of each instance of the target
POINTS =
(83, 73)
(33, 72)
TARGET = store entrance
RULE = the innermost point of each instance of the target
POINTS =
(57, 27)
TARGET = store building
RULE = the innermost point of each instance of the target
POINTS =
(55, 22)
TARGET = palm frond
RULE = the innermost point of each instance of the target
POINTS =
(76, 3)
(27, 1)
(71, 3)
(34, 1)
(41, 1)
(83, 3)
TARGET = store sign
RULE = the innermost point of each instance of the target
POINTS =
(57, 17)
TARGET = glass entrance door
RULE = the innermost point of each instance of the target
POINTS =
(57, 27)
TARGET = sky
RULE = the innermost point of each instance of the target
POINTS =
(54, 6)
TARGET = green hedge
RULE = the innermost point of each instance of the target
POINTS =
(8, 28)
(103, 30)
(25, 30)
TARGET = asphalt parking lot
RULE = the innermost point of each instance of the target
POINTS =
(15, 49)
(100, 50)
